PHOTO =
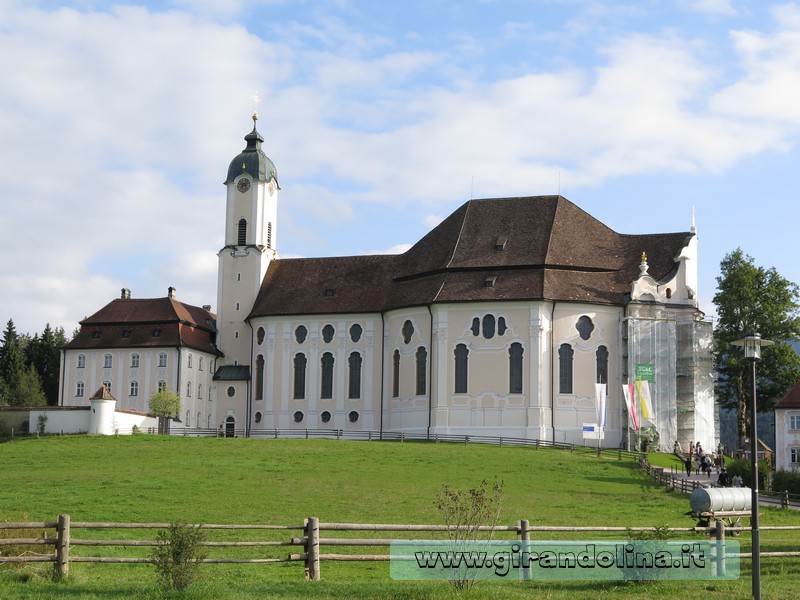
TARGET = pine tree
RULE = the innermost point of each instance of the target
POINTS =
(45, 354)
(752, 299)
(12, 361)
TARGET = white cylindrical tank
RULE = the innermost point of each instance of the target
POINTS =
(706, 500)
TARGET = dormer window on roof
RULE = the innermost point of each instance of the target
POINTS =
(500, 244)
(329, 292)
(96, 333)
(489, 281)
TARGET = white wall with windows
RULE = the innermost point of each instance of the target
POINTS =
(134, 374)
(787, 439)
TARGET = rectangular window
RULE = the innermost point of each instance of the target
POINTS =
(107, 361)
(81, 361)
(354, 382)
(794, 456)
(422, 370)
(134, 361)
(565, 354)
(134, 388)
(162, 359)
(79, 389)
(326, 389)
(299, 376)
(794, 422)
(461, 374)
(396, 374)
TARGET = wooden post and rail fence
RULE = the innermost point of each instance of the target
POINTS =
(310, 544)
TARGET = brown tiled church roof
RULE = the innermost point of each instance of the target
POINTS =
(790, 400)
(529, 248)
(147, 323)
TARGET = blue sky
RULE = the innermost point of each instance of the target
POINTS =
(118, 122)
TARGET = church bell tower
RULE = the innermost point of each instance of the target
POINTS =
(250, 219)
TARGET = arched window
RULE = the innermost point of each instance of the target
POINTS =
(565, 354)
(515, 368)
(199, 392)
(260, 377)
(327, 333)
(260, 336)
(396, 374)
(188, 419)
(300, 376)
(461, 378)
(354, 381)
(258, 417)
(242, 232)
(230, 426)
(300, 334)
(422, 370)
(197, 422)
(355, 333)
(200, 363)
(326, 390)
(188, 389)
(602, 365)
(189, 360)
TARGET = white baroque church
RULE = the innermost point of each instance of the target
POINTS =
(499, 322)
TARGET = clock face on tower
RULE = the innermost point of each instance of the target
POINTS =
(243, 185)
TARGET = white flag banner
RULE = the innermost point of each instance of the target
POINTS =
(601, 398)
(630, 403)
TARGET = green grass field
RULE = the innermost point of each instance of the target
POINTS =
(199, 480)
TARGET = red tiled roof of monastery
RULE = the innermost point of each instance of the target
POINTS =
(147, 322)
(529, 248)
(790, 400)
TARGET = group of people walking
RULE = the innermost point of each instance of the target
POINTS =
(700, 461)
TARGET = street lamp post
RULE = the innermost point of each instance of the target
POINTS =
(752, 350)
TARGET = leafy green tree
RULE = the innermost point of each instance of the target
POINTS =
(28, 390)
(165, 405)
(752, 299)
(44, 352)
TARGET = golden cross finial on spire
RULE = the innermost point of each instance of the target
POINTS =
(644, 257)
(256, 102)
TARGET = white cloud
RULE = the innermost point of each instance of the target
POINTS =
(117, 133)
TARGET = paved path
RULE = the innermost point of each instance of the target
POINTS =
(704, 479)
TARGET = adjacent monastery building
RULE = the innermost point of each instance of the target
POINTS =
(500, 321)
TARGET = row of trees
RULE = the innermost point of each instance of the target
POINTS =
(29, 366)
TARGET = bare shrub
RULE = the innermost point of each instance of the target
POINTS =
(179, 555)
(464, 512)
